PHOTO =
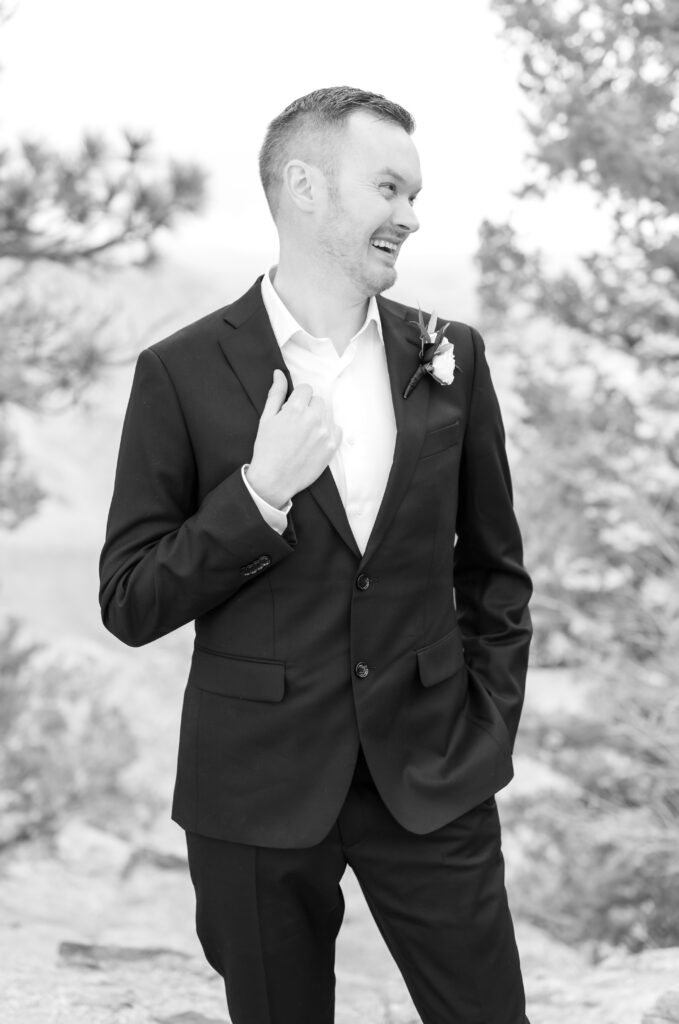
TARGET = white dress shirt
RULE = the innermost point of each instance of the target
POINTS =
(357, 395)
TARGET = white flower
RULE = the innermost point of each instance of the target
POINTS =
(442, 366)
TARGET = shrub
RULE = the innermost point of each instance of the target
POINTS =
(64, 748)
(603, 866)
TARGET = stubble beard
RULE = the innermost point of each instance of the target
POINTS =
(354, 266)
(345, 257)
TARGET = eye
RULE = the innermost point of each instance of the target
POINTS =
(389, 185)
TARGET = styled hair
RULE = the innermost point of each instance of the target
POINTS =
(318, 114)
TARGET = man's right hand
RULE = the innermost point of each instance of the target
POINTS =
(294, 443)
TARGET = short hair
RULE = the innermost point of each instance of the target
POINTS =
(319, 112)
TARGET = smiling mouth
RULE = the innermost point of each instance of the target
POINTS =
(383, 245)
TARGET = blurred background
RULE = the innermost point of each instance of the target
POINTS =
(130, 205)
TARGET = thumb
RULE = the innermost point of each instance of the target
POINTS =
(276, 396)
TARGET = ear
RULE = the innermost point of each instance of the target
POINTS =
(302, 183)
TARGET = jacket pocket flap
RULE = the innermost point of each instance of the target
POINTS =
(442, 659)
(440, 439)
(243, 678)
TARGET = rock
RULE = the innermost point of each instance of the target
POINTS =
(155, 858)
(665, 1011)
(163, 846)
(189, 1018)
(617, 990)
(80, 954)
(91, 849)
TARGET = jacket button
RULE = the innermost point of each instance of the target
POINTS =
(363, 581)
(361, 669)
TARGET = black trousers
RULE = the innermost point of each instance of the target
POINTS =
(268, 919)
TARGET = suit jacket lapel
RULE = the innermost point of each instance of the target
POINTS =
(253, 354)
(252, 349)
(401, 341)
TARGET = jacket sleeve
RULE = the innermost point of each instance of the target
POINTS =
(167, 557)
(492, 587)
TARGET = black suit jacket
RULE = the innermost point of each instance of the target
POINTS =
(419, 646)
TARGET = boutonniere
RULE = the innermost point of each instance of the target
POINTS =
(437, 354)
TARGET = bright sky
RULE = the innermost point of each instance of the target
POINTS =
(206, 77)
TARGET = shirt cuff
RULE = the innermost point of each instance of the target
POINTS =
(276, 518)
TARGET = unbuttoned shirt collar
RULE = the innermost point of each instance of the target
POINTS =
(356, 395)
(286, 327)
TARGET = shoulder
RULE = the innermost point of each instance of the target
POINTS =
(192, 341)
(199, 341)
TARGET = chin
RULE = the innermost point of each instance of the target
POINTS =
(377, 283)
(388, 280)
(370, 280)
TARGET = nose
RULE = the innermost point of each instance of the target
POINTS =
(406, 218)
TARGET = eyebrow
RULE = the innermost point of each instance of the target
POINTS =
(399, 177)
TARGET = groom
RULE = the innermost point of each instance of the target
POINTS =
(354, 568)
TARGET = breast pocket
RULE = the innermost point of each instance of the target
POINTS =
(440, 440)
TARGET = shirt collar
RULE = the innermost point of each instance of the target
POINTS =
(284, 324)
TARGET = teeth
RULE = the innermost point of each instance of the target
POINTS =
(381, 243)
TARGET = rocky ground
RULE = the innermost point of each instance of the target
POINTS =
(97, 931)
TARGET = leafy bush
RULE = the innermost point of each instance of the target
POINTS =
(603, 867)
(64, 748)
(596, 471)
(63, 745)
(598, 487)
(597, 478)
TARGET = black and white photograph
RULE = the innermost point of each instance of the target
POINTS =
(339, 512)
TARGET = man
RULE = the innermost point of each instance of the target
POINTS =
(354, 568)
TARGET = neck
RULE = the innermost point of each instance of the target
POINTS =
(321, 301)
